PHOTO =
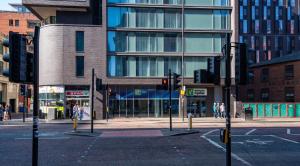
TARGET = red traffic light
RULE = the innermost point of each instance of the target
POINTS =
(165, 82)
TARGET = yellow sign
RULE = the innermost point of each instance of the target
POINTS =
(182, 92)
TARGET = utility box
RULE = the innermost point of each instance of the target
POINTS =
(248, 113)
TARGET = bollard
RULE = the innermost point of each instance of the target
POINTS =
(75, 124)
(190, 120)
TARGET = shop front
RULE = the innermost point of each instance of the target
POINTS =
(78, 95)
(141, 102)
(51, 102)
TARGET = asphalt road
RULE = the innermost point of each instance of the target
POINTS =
(257, 147)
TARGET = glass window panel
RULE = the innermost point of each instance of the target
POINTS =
(79, 41)
(79, 66)
(195, 43)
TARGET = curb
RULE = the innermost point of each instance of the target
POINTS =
(83, 134)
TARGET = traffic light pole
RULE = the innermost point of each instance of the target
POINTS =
(227, 87)
(35, 130)
(170, 98)
(92, 102)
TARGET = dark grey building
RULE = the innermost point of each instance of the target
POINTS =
(131, 44)
(270, 28)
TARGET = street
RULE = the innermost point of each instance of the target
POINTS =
(58, 146)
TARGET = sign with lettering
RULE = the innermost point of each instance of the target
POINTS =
(192, 92)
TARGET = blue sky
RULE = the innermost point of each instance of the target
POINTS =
(5, 6)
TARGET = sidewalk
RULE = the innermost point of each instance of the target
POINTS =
(124, 123)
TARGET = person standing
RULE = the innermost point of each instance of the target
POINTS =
(8, 111)
(75, 111)
(1, 114)
(81, 113)
(222, 110)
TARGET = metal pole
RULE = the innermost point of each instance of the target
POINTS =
(92, 104)
(25, 103)
(170, 99)
(227, 87)
(182, 58)
(35, 130)
(107, 102)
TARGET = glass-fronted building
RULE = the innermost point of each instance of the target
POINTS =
(132, 45)
(146, 38)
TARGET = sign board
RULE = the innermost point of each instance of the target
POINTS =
(77, 93)
(51, 89)
(192, 92)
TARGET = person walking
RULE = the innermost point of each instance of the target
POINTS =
(218, 110)
(215, 110)
(222, 110)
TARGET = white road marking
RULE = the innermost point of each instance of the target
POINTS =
(223, 149)
(289, 132)
(205, 134)
(259, 142)
(250, 132)
(285, 139)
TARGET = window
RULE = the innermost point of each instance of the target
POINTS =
(79, 41)
(289, 94)
(264, 94)
(31, 24)
(79, 66)
(289, 72)
(250, 95)
(264, 75)
(251, 77)
(11, 22)
(17, 23)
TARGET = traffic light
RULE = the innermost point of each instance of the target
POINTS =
(109, 91)
(165, 83)
(22, 90)
(197, 76)
(241, 65)
(98, 84)
(176, 81)
(20, 62)
(210, 73)
(217, 72)
(201, 76)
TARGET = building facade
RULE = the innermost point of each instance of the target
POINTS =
(269, 28)
(271, 31)
(22, 22)
(132, 45)
(266, 86)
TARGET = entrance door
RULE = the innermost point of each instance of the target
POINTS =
(12, 103)
(197, 107)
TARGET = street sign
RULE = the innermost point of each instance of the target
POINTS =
(196, 92)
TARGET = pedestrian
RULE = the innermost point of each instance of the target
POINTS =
(75, 111)
(222, 110)
(215, 109)
(1, 114)
(218, 110)
(81, 113)
(8, 111)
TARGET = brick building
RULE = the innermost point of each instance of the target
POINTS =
(23, 22)
(277, 80)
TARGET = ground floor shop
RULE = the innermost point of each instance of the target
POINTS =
(57, 102)
(152, 101)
